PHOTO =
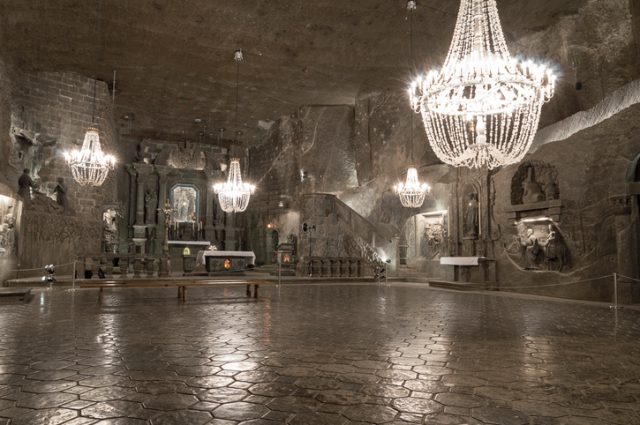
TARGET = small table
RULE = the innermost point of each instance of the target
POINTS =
(466, 262)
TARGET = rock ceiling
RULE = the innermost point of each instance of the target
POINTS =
(174, 58)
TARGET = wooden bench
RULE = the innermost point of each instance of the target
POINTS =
(182, 285)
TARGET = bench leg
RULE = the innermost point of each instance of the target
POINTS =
(100, 295)
(248, 290)
(184, 293)
(255, 290)
(180, 292)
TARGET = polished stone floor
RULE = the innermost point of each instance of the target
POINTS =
(316, 354)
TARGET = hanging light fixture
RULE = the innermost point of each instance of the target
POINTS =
(233, 194)
(90, 165)
(412, 193)
(482, 108)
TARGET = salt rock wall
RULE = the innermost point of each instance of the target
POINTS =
(592, 52)
(599, 215)
(49, 114)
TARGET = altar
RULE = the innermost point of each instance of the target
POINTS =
(218, 262)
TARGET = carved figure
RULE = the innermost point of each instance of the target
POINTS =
(150, 207)
(555, 251)
(471, 219)
(25, 184)
(61, 194)
(531, 249)
(532, 191)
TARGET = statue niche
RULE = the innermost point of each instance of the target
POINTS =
(185, 204)
(533, 182)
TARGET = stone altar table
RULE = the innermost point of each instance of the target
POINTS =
(226, 261)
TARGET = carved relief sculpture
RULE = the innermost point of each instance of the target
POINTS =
(533, 182)
(25, 184)
(530, 251)
(61, 194)
(472, 217)
(532, 190)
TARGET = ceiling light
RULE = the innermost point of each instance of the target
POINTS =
(482, 108)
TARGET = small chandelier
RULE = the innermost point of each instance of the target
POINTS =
(90, 165)
(412, 193)
(483, 107)
(233, 194)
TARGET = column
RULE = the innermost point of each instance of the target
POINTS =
(209, 227)
(230, 233)
(132, 194)
(162, 172)
(139, 228)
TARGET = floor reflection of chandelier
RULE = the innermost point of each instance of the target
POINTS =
(483, 107)
(233, 194)
(89, 165)
(412, 193)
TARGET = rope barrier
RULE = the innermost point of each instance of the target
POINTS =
(40, 268)
(627, 277)
(562, 284)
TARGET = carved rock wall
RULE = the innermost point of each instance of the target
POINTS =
(42, 115)
(595, 167)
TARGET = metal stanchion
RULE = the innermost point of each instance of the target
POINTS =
(615, 292)
(73, 277)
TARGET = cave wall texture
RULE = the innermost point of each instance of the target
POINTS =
(42, 115)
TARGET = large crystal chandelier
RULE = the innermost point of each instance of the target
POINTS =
(233, 194)
(412, 193)
(483, 107)
(90, 165)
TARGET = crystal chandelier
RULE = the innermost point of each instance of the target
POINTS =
(412, 193)
(233, 194)
(483, 107)
(89, 165)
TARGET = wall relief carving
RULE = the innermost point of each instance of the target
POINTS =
(534, 181)
(539, 246)
(30, 150)
(188, 156)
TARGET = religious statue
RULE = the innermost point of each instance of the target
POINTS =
(555, 251)
(471, 218)
(61, 194)
(530, 251)
(532, 191)
(551, 191)
(149, 207)
(25, 184)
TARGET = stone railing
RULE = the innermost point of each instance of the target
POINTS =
(335, 267)
(113, 265)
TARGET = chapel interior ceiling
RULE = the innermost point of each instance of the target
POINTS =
(174, 59)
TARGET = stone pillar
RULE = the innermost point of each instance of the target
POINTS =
(132, 194)
(139, 228)
(230, 233)
(162, 171)
(210, 225)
